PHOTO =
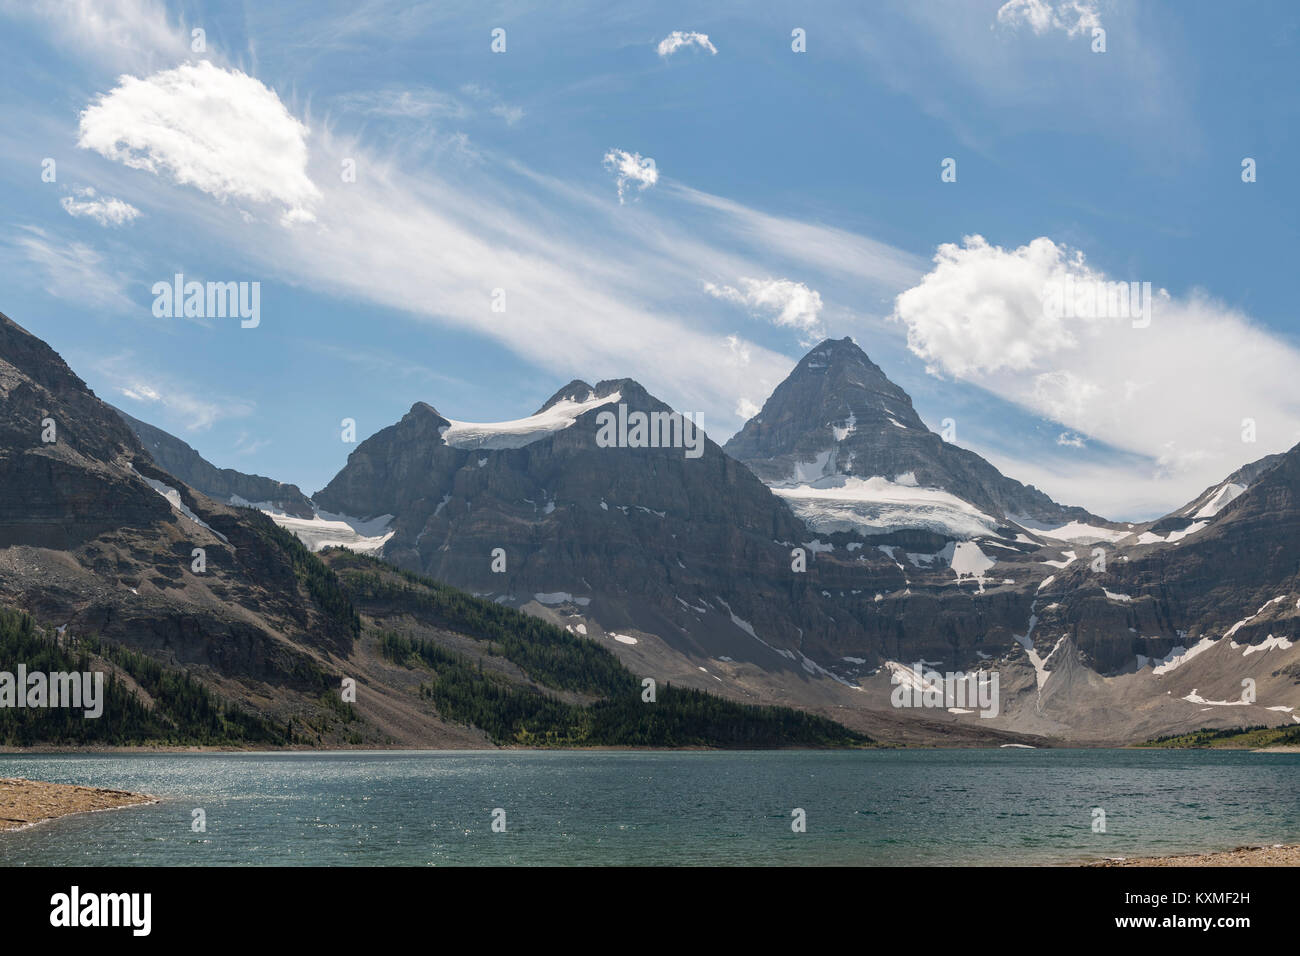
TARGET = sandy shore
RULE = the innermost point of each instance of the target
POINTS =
(1278, 855)
(24, 802)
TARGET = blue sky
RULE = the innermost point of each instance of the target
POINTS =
(793, 196)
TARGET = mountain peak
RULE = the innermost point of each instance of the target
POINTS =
(424, 410)
(837, 418)
(845, 370)
(843, 351)
(834, 391)
(575, 391)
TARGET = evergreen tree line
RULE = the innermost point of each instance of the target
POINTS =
(512, 714)
(322, 583)
(184, 711)
(1257, 736)
(548, 654)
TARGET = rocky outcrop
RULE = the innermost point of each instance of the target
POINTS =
(1183, 578)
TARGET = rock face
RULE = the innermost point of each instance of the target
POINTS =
(94, 536)
(97, 541)
(64, 476)
(837, 425)
(223, 484)
(695, 550)
(644, 537)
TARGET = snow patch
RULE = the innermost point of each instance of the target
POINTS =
(326, 530)
(1076, 532)
(1178, 656)
(847, 429)
(876, 505)
(522, 431)
(1268, 644)
(967, 560)
(174, 499)
(1220, 499)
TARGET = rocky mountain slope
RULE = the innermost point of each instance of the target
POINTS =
(536, 512)
(217, 626)
(873, 544)
(97, 540)
(669, 554)
(222, 484)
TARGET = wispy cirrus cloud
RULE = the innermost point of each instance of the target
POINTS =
(592, 293)
(416, 104)
(180, 406)
(125, 34)
(73, 271)
(426, 103)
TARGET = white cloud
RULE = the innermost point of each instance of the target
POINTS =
(739, 350)
(787, 302)
(105, 210)
(511, 114)
(678, 39)
(1174, 392)
(1072, 16)
(194, 413)
(746, 409)
(140, 392)
(631, 169)
(219, 130)
(985, 309)
(1070, 440)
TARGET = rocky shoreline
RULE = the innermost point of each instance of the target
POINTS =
(24, 803)
(1276, 855)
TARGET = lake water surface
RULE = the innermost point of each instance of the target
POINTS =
(916, 807)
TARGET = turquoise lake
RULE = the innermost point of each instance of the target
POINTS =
(920, 807)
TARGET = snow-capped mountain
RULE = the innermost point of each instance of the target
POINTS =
(870, 544)
(842, 444)
(678, 541)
